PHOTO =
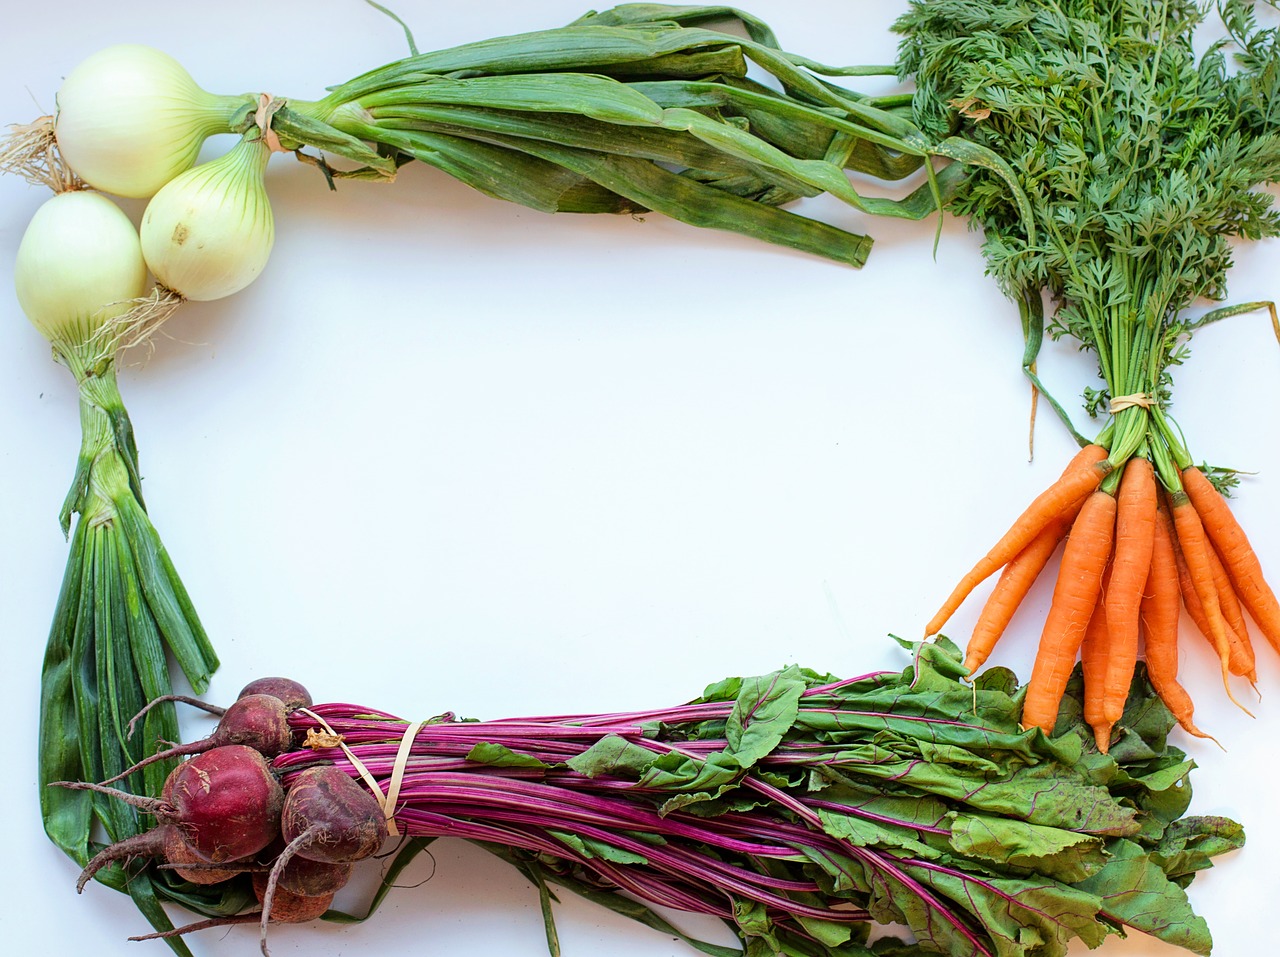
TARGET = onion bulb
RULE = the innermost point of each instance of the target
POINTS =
(209, 231)
(79, 266)
(130, 118)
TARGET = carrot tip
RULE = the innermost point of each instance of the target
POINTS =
(1191, 729)
(1237, 703)
(1221, 644)
(1102, 735)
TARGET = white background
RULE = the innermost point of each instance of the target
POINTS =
(449, 453)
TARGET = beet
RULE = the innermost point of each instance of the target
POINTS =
(288, 691)
(329, 817)
(311, 878)
(166, 843)
(293, 695)
(288, 907)
(258, 721)
(226, 801)
(224, 805)
(187, 864)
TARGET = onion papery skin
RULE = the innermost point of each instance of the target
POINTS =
(130, 118)
(208, 232)
(79, 265)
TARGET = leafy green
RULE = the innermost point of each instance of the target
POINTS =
(1139, 161)
(1067, 856)
(802, 809)
(1135, 891)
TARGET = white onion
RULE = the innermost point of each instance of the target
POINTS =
(209, 231)
(79, 265)
(130, 118)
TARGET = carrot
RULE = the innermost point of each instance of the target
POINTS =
(1135, 538)
(1195, 545)
(1160, 614)
(1074, 596)
(1237, 554)
(1012, 587)
(1240, 660)
(1074, 484)
(1239, 645)
(1095, 652)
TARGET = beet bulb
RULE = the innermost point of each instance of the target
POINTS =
(329, 817)
(226, 801)
(258, 721)
(165, 843)
(293, 694)
(288, 907)
(217, 807)
(307, 877)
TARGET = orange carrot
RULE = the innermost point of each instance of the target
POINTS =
(1061, 495)
(1095, 652)
(1240, 660)
(1195, 545)
(1239, 645)
(1074, 597)
(1160, 615)
(1135, 537)
(1237, 554)
(1012, 587)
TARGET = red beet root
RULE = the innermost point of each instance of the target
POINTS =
(224, 804)
(288, 907)
(258, 721)
(187, 864)
(164, 843)
(226, 801)
(293, 695)
(329, 817)
(310, 878)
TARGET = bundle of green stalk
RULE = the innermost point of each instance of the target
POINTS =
(800, 809)
(121, 604)
(1140, 163)
(637, 108)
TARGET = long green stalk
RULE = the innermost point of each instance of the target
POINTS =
(641, 108)
(121, 607)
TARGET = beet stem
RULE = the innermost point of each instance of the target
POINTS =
(149, 804)
(176, 751)
(147, 844)
(182, 699)
(292, 848)
(248, 918)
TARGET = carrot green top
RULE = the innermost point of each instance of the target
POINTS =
(1140, 162)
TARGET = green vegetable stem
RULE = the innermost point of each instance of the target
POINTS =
(1140, 162)
(640, 108)
(79, 270)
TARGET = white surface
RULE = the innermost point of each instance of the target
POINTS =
(448, 453)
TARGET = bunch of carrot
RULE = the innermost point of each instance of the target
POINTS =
(1139, 547)
(1139, 155)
